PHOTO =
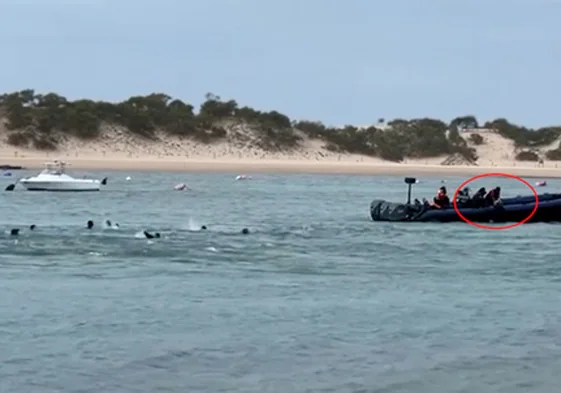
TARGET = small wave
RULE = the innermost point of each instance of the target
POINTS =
(192, 226)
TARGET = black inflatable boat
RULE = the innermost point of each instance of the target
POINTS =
(510, 210)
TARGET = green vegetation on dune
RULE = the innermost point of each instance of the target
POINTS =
(42, 121)
(525, 137)
(526, 155)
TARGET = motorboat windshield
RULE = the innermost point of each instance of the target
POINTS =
(56, 168)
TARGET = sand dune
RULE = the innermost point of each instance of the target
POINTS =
(118, 149)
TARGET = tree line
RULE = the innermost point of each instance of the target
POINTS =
(42, 121)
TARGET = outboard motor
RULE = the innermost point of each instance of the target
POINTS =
(390, 211)
(381, 210)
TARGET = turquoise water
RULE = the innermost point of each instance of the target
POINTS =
(317, 298)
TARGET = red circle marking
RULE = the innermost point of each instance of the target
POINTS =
(455, 203)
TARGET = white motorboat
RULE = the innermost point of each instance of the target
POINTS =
(54, 178)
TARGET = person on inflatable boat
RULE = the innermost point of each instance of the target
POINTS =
(463, 196)
(493, 197)
(441, 199)
(478, 199)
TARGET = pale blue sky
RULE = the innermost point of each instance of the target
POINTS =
(341, 62)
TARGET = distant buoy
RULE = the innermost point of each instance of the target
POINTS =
(542, 183)
(180, 186)
(243, 177)
(128, 178)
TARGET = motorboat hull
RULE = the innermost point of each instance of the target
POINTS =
(511, 210)
(54, 178)
(31, 185)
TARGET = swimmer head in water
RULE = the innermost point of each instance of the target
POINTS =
(90, 224)
(245, 231)
(32, 227)
(203, 228)
(14, 232)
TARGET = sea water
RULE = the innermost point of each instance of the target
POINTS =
(317, 298)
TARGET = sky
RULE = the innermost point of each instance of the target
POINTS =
(335, 61)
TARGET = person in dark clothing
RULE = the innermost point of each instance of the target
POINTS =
(493, 197)
(463, 196)
(441, 199)
(148, 235)
(478, 199)
(480, 194)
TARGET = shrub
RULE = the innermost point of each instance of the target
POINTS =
(476, 139)
(527, 156)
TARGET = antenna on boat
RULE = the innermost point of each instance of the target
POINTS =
(409, 181)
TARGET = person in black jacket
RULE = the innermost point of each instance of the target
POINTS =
(441, 199)
(493, 197)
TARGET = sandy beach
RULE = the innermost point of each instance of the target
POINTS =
(118, 150)
(279, 166)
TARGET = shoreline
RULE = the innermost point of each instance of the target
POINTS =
(278, 166)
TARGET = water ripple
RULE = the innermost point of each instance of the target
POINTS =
(315, 299)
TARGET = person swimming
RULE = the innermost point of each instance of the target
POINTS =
(110, 225)
(148, 235)
(245, 231)
(90, 224)
(203, 228)
(15, 231)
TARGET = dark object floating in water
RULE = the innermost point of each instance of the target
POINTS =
(11, 167)
(510, 210)
(104, 181)
(148, 235)
(14, 232)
